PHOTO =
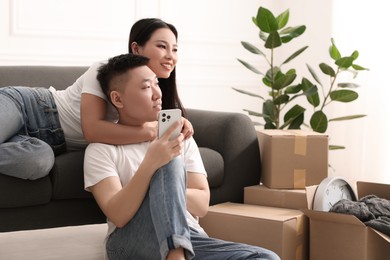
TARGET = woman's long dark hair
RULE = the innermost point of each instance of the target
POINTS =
(140, 33)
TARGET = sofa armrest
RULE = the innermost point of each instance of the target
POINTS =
(234, 137)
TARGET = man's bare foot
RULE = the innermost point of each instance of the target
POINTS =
(176, 254)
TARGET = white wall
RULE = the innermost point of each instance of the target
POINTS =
(362, 26)
(79, 32)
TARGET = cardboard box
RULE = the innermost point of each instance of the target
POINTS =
(292, 159)
(342, 236)
(284, 231)
(280, 198)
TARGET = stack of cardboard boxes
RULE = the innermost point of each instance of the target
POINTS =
(271, 216)
(275, 214)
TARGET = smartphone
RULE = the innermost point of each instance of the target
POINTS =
(166, 118)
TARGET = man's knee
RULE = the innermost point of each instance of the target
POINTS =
(177, 163)
(174, 169)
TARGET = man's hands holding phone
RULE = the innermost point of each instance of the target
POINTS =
(167, 147)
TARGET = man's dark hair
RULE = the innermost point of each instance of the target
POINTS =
(116, 66)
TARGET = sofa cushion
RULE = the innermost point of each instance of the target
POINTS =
(68, 177)
(15, 192)
(213, 163)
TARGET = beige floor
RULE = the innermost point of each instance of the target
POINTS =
(77, 242)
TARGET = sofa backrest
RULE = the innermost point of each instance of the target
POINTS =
(39, 76)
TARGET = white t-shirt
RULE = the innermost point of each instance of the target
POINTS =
(103, 160)
(68, 105)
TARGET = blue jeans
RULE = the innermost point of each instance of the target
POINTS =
(30, 132)
(160, 225)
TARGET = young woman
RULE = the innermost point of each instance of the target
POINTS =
(156, 40)
(36, 122)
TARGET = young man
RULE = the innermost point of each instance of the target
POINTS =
(152, 192)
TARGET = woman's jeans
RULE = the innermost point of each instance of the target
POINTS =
(30, 132)
(160, 225)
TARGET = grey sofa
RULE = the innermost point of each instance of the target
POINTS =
(227, 142)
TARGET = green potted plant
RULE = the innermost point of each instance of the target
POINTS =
(282, 109)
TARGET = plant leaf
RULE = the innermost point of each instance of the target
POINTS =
(281, 99)
(344, 62)
(292, 32)
(297, 122)
(273, 40)
(344, 95)
(272, 71)
(346, 118)
(248, 93)
(293, 89)
(347, 85)
(319, 122)
(295, 54)
(284, 81)
(253, 49)
(355, 55)
(266, 81)
(266, 21)
(328, 70)
(353, 72)
(295, 113)
(336, 147)
(311, 92)
(269, 109)
(313, 74)
(263, 36)
(250, 67)
(282, 19)
(358, 67)
(333, 51)
(295, 31)
(255, 21)
(291, 71)
(269, 125)
(253, 113)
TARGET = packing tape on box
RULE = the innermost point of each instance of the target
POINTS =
(299, 178)
(300, 145)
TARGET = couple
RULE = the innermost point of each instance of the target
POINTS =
(41, 121)
(152, 192)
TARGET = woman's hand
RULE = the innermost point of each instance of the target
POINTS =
(187, 130)
(151, 130)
